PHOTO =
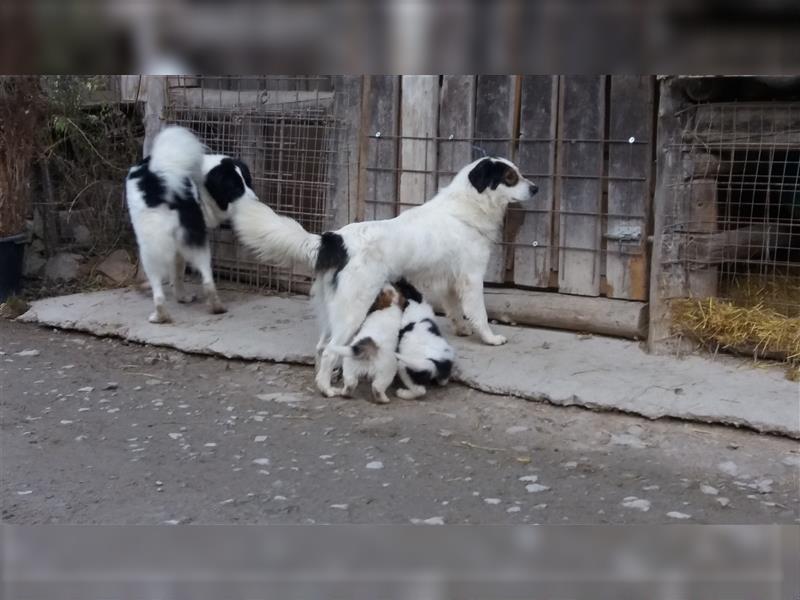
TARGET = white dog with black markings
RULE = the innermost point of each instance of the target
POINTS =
(441, 246)
(175, 196)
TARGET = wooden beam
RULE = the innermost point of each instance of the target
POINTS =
(604, 316)
(456, 123)
(419, 111)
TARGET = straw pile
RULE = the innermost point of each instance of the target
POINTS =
(757, 329)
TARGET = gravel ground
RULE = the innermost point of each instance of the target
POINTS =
(101, 431)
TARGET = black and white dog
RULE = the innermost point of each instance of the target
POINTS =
(424, 355)
(175, 196)
(441, 246)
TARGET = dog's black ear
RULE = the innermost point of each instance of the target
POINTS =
(224, 183)
(248, 179)
(408, 290)
(481, 175)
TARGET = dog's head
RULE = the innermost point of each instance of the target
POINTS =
(388, 296)
(500, 180)
(226, 179)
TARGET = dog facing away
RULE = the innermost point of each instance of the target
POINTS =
(175, 196)
(424, 355)
(372, 351)
(441, 246)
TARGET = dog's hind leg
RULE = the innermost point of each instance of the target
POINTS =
(155, 267)
(475, 310)
(201, 260)
(412, 390)
(176, 277)
(452, 307)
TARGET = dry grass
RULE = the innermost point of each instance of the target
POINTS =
(761, 330)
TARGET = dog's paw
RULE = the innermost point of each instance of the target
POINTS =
(495, 340)
(160, 316)
(379, 397)
(185, 298)
(410, 394)
(217, 309)
(463, 329)
(332, 392)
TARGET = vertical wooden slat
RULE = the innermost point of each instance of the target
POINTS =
(344, 168)
(494, 130)
(456, 122)
(382, 105)
(536, 156)
(419, 110)
(581, 172)
(629, 169)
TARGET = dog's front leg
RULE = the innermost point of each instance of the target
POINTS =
(475, 311)
(454, 311)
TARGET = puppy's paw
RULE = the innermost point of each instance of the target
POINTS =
(495, 340)
(160, 316)
(463, 329)
(410, 394)
(217, 308)
(185, 298)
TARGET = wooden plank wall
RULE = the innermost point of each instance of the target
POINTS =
(419, 112)
(494, 124)
(629, 159)
(536, 157)
(581, 169)
(556, 128)
(381, 103)
(456, 123)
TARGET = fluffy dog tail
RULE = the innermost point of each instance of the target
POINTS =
(177, 151)
(363, 348)
(274, 239)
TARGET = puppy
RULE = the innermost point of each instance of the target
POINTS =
(168, 219)
(424, 355)
(372, 352)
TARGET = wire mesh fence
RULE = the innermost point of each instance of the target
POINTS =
(734, 228)
(284, 130)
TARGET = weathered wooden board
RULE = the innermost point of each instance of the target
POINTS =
(456, 123)
(537, 132)
(581, 172)
(381, 155)
(629, 199)
(418, 119)
(343, 168)
(494, 130)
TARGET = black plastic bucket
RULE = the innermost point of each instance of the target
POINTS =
(12, 256)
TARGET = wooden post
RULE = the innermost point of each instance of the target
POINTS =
(419, 111)
(701, 188)
(344, 168)
(156, 100)
(666, 274)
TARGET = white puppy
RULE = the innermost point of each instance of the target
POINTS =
(441, 246)
(425, 357)
(372, 352)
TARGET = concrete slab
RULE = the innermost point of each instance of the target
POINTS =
(558, 367)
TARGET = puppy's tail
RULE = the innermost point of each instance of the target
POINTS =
(363, 348)
(177, 151)
(413, 362)
(274, 239)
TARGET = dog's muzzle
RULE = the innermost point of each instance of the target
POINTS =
(533, 189)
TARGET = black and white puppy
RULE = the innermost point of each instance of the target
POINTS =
(175, 196)
(372, 351)
(424, 355)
